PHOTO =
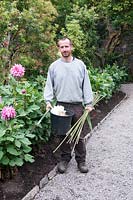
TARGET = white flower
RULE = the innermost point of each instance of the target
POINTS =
(58, 110)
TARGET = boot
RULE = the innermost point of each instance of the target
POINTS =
(82, 167)
(62, 167)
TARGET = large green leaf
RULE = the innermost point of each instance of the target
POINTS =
(26, 149)
(25, 141)
(28, 158)
(2, 132)
(30, 135)
(12, 150)
(11, 139)
(1, 154)
(18, 143)
(5, 160)
(22, 113)
(33, 108)
(12, 163)
(17, 161)
(20, 136)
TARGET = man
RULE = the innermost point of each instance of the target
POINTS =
(69, 84)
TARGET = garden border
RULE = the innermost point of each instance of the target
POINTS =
(32, 193)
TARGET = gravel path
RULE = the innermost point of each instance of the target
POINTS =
(110, 161)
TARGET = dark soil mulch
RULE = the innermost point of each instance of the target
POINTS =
(30, 174)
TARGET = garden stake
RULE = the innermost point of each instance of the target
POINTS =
(36, 124)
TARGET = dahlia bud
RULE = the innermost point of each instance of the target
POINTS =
(23, 91)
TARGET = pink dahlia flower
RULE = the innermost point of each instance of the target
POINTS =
(17, 70)
(8, 112)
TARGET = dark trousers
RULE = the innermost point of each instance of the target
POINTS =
(80, 148)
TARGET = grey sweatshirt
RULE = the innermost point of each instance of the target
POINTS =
(68, 82)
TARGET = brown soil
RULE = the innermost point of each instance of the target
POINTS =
(30, 174)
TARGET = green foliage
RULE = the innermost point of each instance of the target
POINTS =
(63, 8)
(19, 134)
(101, 82)
(28, 30)
(108, 80)
(77, 35)
(14, 143)
(119, 13)
(92, 26)
(80, 27)
(118, 74)
(26, 34)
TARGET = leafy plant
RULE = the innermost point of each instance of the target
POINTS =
(107, 80)
(118, 74)
(22, 107)
(102, 82)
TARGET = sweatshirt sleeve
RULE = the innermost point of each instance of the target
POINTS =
(87, 89)
(48, 90)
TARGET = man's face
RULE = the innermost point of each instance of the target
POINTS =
(65, 48)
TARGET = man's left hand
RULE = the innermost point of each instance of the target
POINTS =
(89, 108)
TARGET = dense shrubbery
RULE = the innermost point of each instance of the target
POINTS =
(27, 35)
(80, 26)
(107, 80)
(96, 27)
(22, 105)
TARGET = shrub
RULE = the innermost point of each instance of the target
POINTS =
(101, 82)
(21, 106)
(107, 80)
(118, 74)
(26, 35)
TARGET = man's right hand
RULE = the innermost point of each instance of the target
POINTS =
(48, 106)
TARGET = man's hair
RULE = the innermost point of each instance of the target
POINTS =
(63, 38)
